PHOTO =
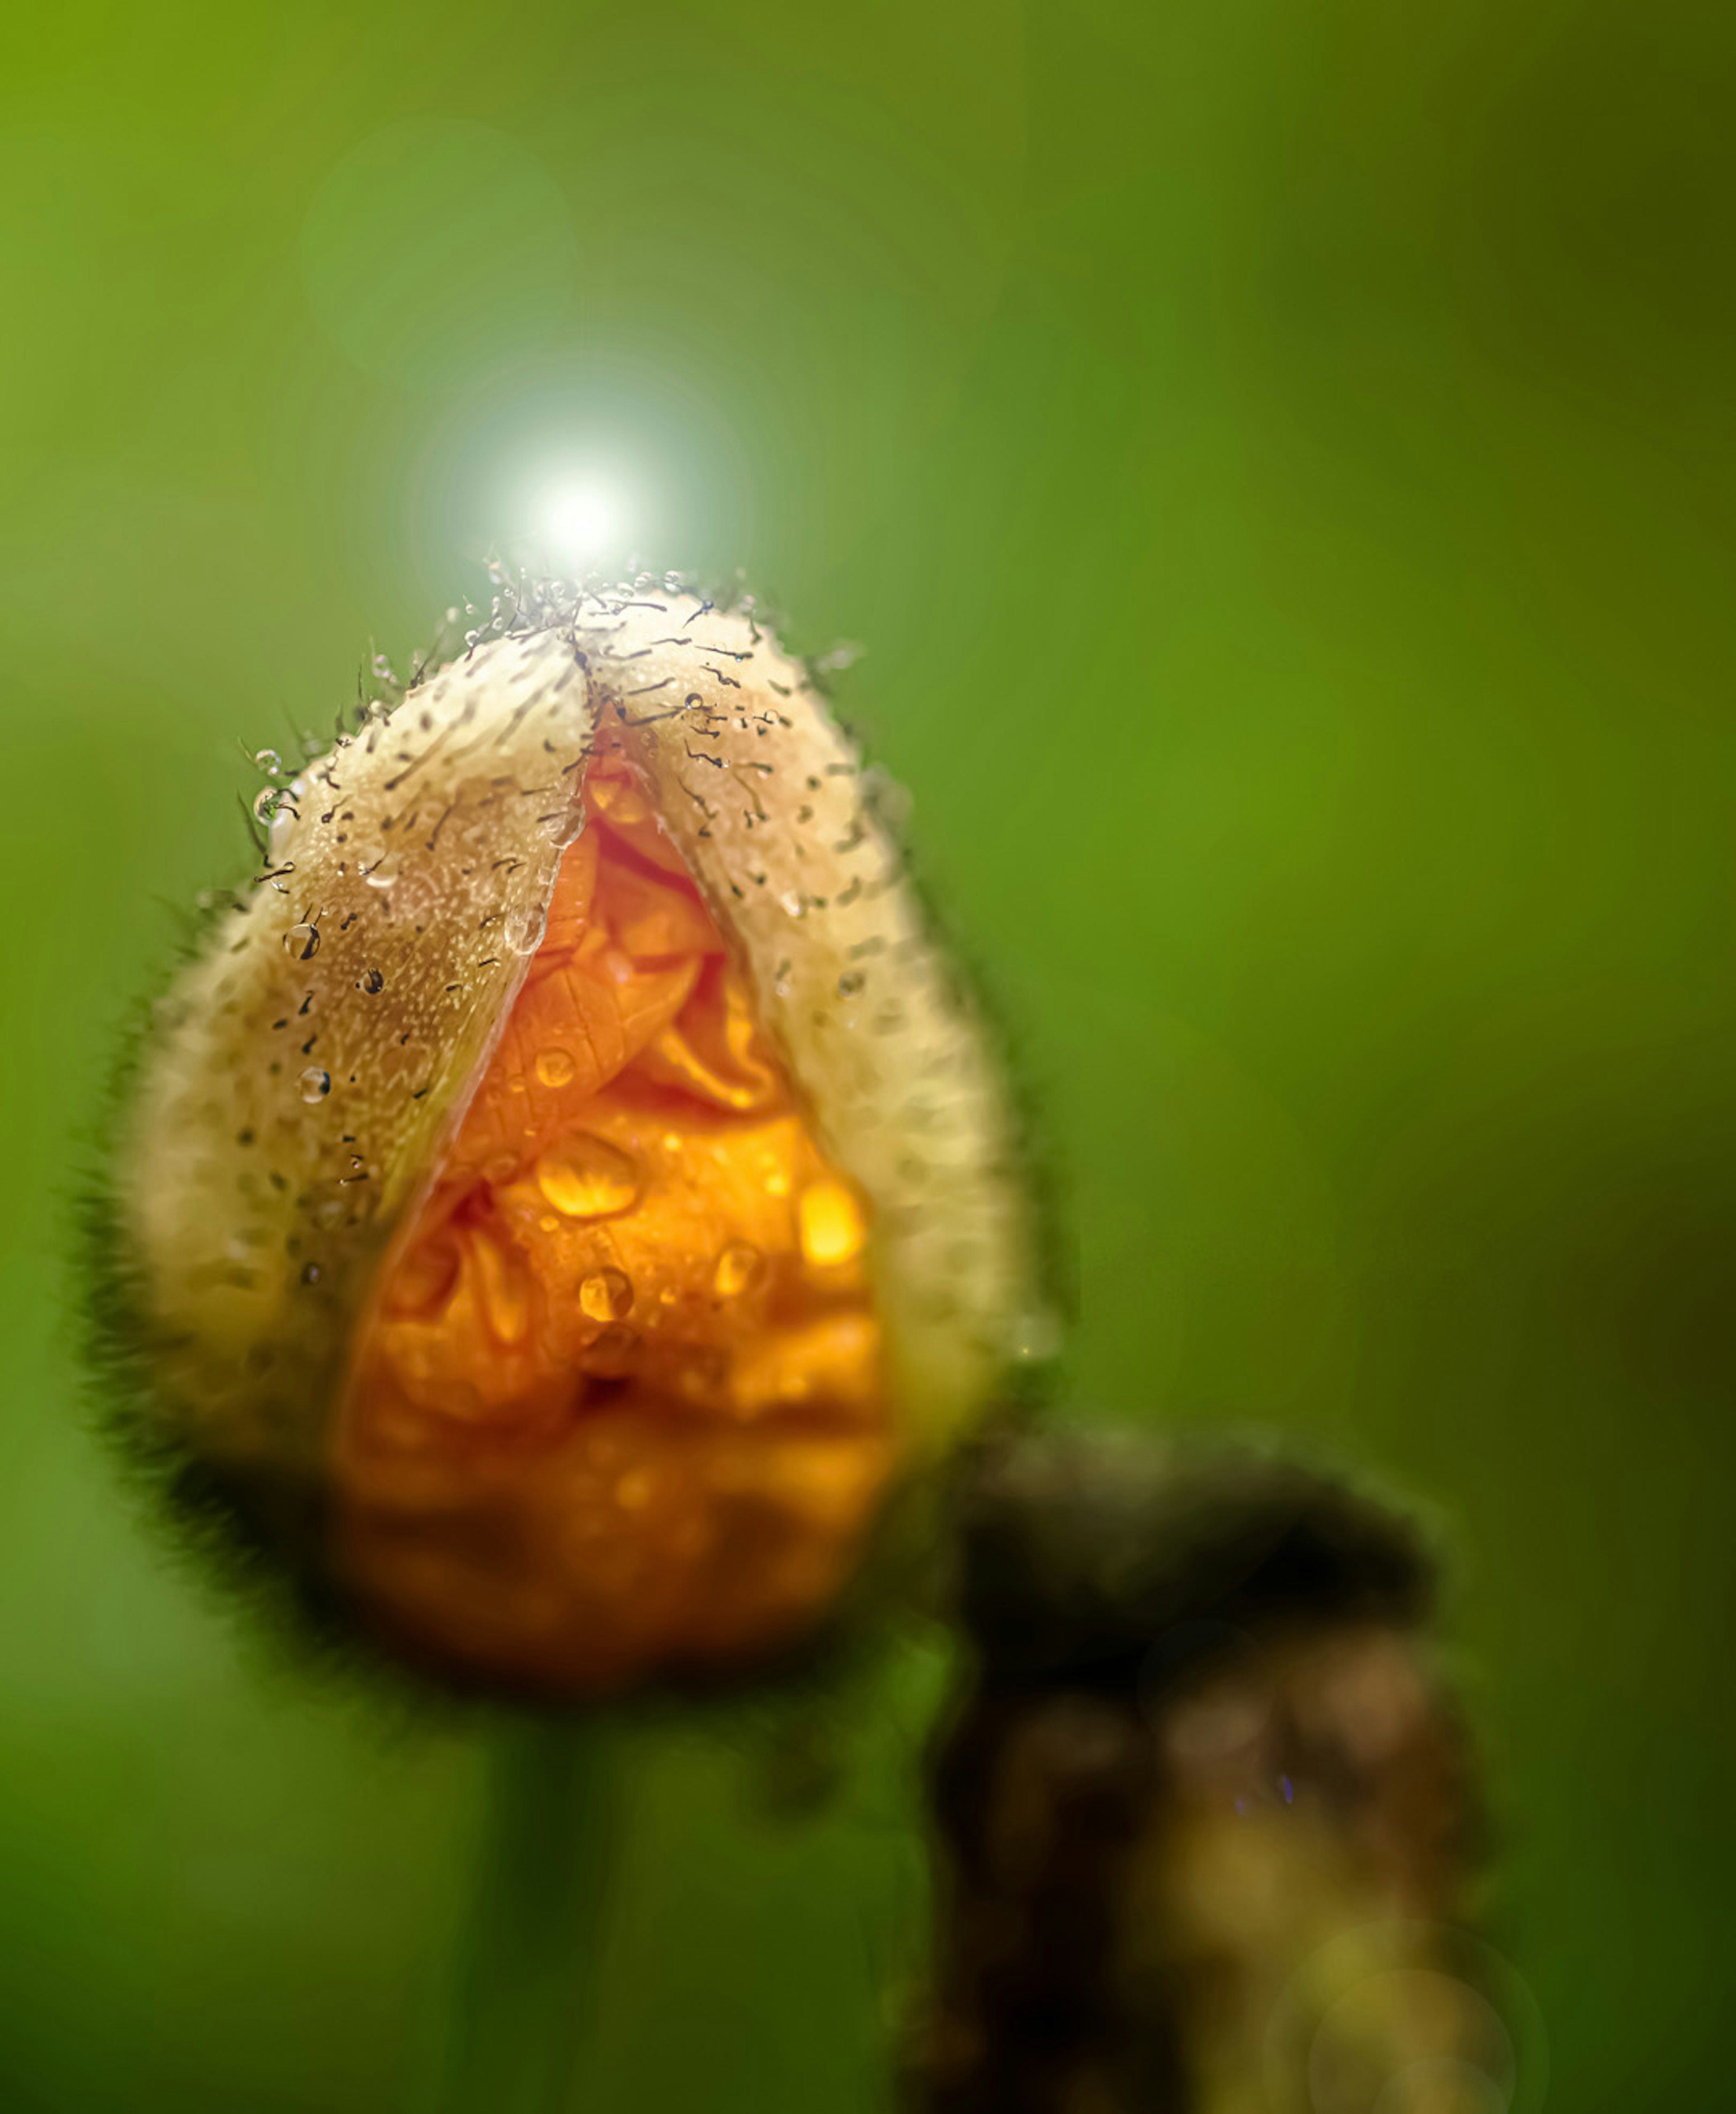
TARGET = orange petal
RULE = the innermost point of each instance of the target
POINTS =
(609, 1415)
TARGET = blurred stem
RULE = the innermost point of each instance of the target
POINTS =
(533, 1947)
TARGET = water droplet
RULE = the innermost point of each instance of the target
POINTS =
(310, 1273)
(739, 1268)
(266, 802)
(523, 928)
(607, 1295)
(379, 880)
(554, 1067)
(301, 942)
(791, 904)
(371, 981)
(612, 1352)
(832, 1227)
(587, 1177)
(315, 1084)
(268, 761)
(500, 1167)
(566, 827)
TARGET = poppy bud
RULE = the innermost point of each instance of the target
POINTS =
(570, 1191)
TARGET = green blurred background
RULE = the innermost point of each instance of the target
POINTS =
(1277, 457)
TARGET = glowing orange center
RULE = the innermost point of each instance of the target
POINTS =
(616, 1405)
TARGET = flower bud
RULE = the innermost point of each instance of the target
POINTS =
(571, 1191)
(1205, 1807)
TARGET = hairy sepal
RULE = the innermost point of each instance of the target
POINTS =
(257, 1203)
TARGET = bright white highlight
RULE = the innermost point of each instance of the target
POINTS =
(582, 523)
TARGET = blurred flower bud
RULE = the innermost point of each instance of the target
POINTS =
(1205, 1809)
(568, 1191)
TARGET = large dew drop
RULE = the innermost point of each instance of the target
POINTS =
(585, 1177)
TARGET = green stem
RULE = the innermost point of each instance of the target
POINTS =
(532, 1950)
